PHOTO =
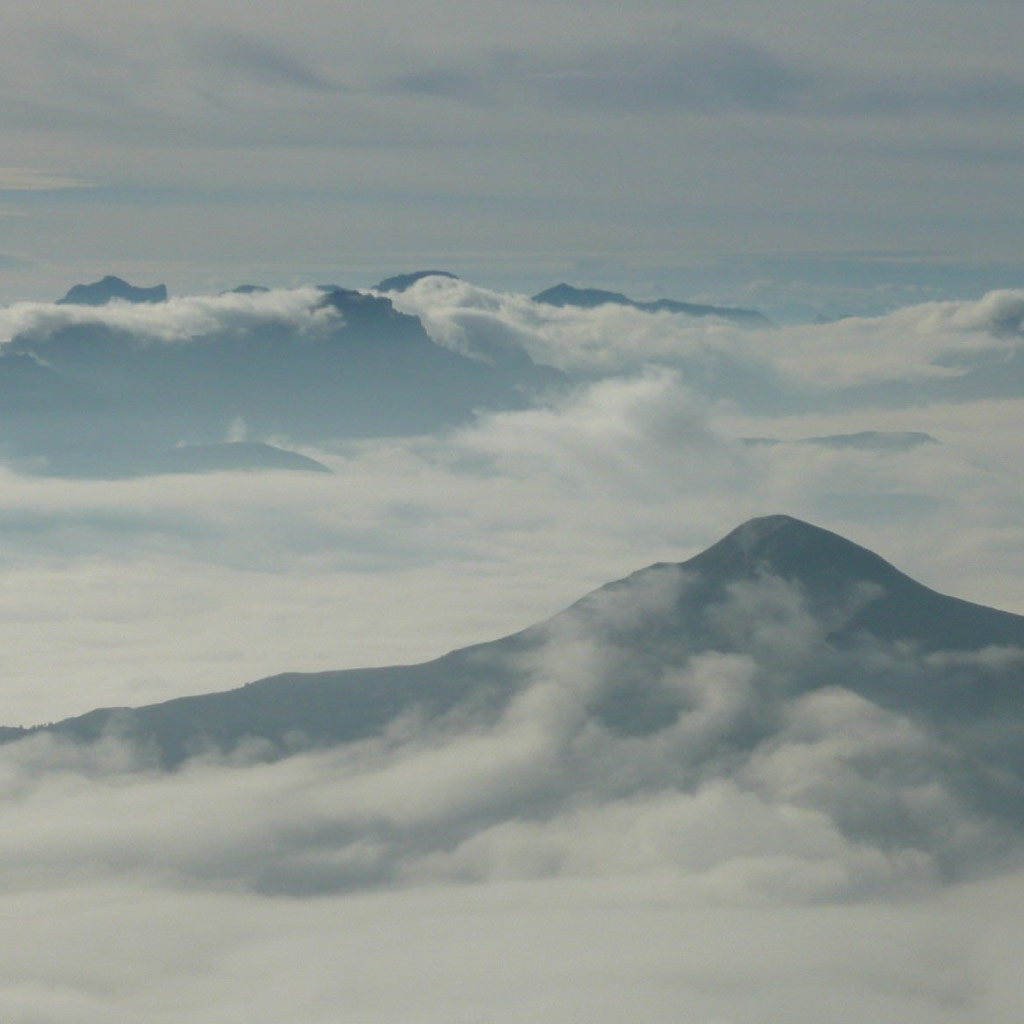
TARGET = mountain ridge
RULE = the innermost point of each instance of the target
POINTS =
(400, 282)
(588, 298)
(90, 396)
(109, 288)
(840, 601)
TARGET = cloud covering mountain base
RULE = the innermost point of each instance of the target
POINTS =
(818, 854)
(687, 802)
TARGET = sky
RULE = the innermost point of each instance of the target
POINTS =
(857, 164)
(822, 160)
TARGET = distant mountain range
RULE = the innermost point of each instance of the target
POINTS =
(868, 440)
(590, 298)
(90, 397)
(109, 288)
(91, 393)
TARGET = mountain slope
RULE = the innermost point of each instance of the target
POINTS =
(94, 394)
(804, 607)
(589, 298)
(99, 293)
(400, 282)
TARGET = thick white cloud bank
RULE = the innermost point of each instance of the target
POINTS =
(176, 319)
(535, 867)
(907, 342)
(510, 954)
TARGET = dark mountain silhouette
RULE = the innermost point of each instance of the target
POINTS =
(876, 440)
(90, 398)
(247, 289)
(400, 282)
(847, 584)
(252, 455)
(590, 298)
(867, 440)
(99, 293)
(805, 608)
(213, 458)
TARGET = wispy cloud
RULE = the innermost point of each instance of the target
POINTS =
(713, 74)
(259, 60)
(27, 179)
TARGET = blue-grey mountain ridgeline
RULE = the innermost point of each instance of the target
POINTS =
(109, 289)
(99, 397)
(88, 388)
(590, 298)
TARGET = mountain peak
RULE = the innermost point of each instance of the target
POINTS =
(400, 282)
(99, 293)
(756, 531)
(829, 570)
(589, 298)
(825, 565)
(842, 603)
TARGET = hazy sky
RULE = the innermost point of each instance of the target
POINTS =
(810, 157)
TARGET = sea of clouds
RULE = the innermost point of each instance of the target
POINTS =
(534, 867)
(415, 545)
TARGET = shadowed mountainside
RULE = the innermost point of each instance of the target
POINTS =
(109, 288)
(400, 282)
(805, 608)
(90, 396)
(588, 298)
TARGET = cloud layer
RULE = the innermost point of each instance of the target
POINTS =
(440, 870)
(413, 546)
(534, 864)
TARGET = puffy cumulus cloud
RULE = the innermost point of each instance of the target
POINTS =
(407, 548)
(125, 592)
(177, 319)
(932, 340)
(540, 865)
(617, 755)
(638, 435)
(606, 339)
(879, 777)
(999, 313)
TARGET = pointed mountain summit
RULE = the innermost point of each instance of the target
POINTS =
(800, 606)
(831, 571)
(99, 293)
